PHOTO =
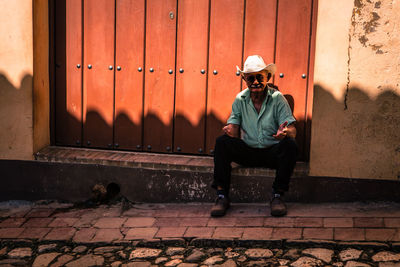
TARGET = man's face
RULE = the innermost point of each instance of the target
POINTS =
(256, 81)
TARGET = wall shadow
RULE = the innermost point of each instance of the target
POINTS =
(358, 137)
(16, 118)
(180, 135)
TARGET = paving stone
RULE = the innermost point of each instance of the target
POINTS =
(47, 247)
(140, 222)
(349, 234)
(116, 264)
(141, 233)
(110, 222)
(338, 222)
(379, 234)
(195, 256)
(13, 262)
(392, 222)
(279, 222)
(356, 264)
(174, 251)
(160, 260)
(173, 262)
(10, 232)
(63, 222)
(12, 222)
(283, 262)
(260, 263)
(318, 233)
(201, 232)
(170, 232)
(223, 221)
(249, 222)
(20, 253)
(188, 265)
(350, 254)
(34, 233)
(257, 233)
(101, 250)
(231, 254)
(292, 254)
(65, 249)
(320, 253)
(177, 257)
(213, 260)
(63, 233)
(386, 256)
(338, 264)
(307, 222)
(306, 261)
(144, 253)
(193, 221)
(286, 233)
(228, 263)
(257, 253)
(3, 251)
(40, 213)
(242, 258)
(63, 259)
(37, 222)
(107, 235)
(368, 222)
(79, 249)
(87, 260)
(43, 260)
(122, 254)
(137, 264)
(228, 232)
(389, 264)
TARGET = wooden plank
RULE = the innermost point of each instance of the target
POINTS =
(259, 36)
(225, 52)
(128, 80)
(98, 82)
(159, 84)
(292, 51)
(68, 77)
(190, 100)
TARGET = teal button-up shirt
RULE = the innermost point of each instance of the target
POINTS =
(258, 128)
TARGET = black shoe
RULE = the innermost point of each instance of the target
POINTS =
(220, 207)
(278, 207)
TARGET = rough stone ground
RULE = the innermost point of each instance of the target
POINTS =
(47, 233)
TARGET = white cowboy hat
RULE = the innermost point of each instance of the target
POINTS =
(256, 63)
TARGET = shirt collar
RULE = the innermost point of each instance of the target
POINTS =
(246, 95)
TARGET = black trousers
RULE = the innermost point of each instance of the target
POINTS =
(281, 156)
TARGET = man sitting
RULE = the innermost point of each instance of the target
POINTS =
(265, 119)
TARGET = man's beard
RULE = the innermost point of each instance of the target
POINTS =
(258, 95)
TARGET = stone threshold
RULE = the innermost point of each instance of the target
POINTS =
(153, 161)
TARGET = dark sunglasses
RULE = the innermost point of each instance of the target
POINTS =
(251, 78)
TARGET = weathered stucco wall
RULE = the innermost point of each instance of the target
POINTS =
(356, 108)
(16, 70)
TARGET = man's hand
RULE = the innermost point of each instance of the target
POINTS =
(284, 131)
(232, 130)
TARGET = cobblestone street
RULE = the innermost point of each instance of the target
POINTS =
(47, 233)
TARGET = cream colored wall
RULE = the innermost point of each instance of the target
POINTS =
(16, 71)
(356, 107)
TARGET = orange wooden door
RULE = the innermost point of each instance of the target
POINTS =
(259, 34)
(225, 52)
(129, 57)
(159, 75)
(191, 76)
(292, 58)
(98, 76)
(68, 72)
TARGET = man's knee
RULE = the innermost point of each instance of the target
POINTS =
(289, 144)
(221, 140)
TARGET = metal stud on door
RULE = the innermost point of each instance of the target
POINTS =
(129, 56)
(98, 79)
(68, 80)
(225, 52)
(190, 100)
(159, 84)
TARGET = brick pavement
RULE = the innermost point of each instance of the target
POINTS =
(366, 222)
